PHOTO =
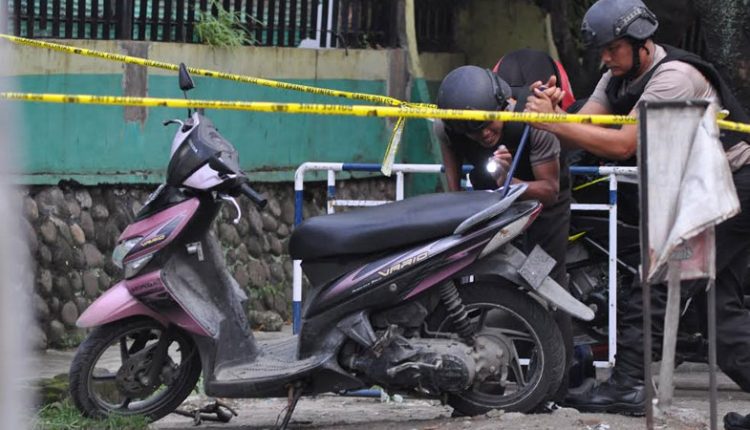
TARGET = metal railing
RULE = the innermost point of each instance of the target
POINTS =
(319, 23)
(611, 207)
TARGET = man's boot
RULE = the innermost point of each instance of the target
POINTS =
(735, 421)
(620, 394)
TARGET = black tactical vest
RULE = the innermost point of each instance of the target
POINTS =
(622, 105)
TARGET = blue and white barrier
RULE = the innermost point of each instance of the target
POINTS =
(613, 172)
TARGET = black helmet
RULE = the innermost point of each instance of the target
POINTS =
(472, 87)
(607, 20)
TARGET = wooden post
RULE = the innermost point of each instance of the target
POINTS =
(669, 342)
(645, 263)
(712, 389)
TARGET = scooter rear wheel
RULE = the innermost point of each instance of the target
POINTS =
(528, 334)
(107, 373)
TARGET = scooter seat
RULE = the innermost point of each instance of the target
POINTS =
(392, 225)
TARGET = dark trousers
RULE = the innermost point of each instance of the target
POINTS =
(550, 231)
(732, 317)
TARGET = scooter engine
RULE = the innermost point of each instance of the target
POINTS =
(429, 366)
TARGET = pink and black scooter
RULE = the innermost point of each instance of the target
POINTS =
(426, 296)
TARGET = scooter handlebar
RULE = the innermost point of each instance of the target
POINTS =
(257, 198)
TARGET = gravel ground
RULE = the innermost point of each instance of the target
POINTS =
(349, 413)
(355, 413)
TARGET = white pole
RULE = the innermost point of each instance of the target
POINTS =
(612, 269)
(399, 185)
(331, 192)
(16, 282)
(330, 29)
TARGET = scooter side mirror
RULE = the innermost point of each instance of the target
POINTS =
(186, 82)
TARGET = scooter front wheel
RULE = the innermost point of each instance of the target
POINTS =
(110, 371)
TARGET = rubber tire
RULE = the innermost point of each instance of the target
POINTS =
(540, 320)
(93, 346)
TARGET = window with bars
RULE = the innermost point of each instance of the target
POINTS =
(323, 23)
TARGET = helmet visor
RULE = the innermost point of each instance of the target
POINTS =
(465, 127)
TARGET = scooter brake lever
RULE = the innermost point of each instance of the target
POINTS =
(236, 206)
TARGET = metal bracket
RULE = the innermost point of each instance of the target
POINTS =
(357, 327)
(195, 248)
(537, 267)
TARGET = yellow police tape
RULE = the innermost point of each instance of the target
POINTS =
(393, 142)
(371, 98)
(402, 109)
(346, 110)
(321, 109)
(734, 126)
(390, 152)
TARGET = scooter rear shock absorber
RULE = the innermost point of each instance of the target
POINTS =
(457, 312)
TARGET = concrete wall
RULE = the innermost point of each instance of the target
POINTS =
(487, 29)
(97, 144)
(69, 231)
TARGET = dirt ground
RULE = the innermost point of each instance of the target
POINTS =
(356, 413)
(348, 413)
(334, 412)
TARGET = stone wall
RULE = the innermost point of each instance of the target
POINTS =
(72, 230)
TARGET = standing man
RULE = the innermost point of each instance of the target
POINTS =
(540, 166)
(641, 70)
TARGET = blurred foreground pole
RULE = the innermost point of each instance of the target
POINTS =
(15, 312)
(686, 188)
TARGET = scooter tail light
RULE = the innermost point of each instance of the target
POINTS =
(506, 234)
(533, 216)
(510, 231)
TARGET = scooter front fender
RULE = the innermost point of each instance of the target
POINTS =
(507, 262)
(115, 304)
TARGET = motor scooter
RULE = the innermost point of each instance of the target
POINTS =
(425, 296)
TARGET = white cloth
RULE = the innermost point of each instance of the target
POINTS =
(690, 188)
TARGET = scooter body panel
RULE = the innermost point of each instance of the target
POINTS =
(398, 278)
(115, 304)
(160, 229)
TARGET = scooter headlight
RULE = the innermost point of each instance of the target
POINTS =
(122, 249)
(133, 267)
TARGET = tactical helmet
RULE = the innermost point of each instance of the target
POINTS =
(607, 20)
(472, 87)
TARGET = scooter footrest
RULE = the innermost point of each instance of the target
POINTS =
(278, 357)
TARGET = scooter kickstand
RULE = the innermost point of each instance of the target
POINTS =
(295, 392)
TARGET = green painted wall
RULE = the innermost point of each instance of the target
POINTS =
(101, 144)
(95, 144)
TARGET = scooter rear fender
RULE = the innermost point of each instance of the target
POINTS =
(115, 304)
(506, 263)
